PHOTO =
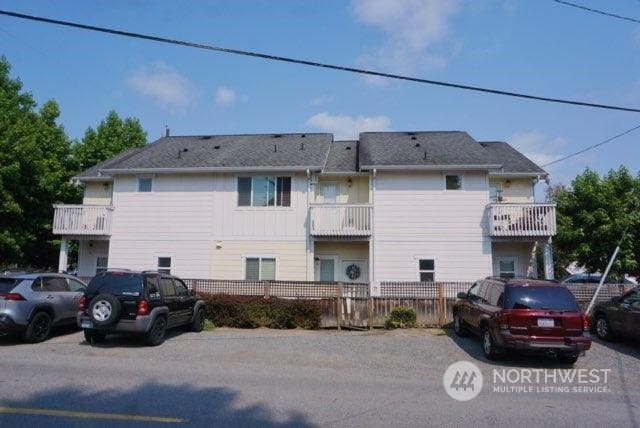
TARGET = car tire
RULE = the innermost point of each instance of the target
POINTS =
(568, 358)
(198, 321)
(39, 328)
(104, 309)
(458, 326)
(92, 336)
(603, 328)
(155, 336)
(489, 348)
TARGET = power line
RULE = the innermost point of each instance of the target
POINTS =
(311, 63)
(601, 12)
(608, 140)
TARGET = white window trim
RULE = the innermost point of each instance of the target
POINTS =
(444, 181)
(259, 257)
(435, 266)
(513, 259)
(269, 207)
(150, 177)
(498, 186)
(157, 262)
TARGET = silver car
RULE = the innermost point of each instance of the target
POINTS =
(32, 304)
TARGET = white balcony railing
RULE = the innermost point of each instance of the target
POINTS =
(82, 220)
(341, 219)
(522, 219)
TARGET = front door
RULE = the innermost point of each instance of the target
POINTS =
(330, 193)
(355, 271)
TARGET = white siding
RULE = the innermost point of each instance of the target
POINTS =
(88, 252)
(416, 218)
(520, 250)
(517, 190)
(97, 194)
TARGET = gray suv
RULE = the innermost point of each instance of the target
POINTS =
(32, 304)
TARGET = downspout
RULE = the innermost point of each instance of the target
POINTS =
(373, 228)
(308, 228)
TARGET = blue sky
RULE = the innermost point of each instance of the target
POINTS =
(538, 47)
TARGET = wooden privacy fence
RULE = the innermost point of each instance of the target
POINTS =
(354, 305)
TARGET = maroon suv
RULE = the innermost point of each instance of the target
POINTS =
(523, 314)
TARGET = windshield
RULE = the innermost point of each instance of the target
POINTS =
(531, 297)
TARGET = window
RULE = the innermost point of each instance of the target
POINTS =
(453, 182)
(153, 290)
(166, 285)
(145, 184)
(495, 193)
(427, 270)
(260, 269)
(181, 288)
(50, 284)
(75, 286)
(496, 294)
(327, 270)
(101, 264)
(164, 264)
(507, 267)
(266, 191)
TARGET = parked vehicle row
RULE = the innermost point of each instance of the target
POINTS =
(125, 302)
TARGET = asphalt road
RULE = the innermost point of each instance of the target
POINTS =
(273, 378)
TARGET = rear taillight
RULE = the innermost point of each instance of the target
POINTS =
(503, 321)
(11, 296)
(82, 304)
(143, 308)
(585, 322)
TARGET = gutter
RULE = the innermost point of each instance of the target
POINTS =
(195, 170)
(430, 167)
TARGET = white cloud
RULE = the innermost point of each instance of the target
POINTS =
(413, 28)
(168, 88)
(225, 96)
(346, 127)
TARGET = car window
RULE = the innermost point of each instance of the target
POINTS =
(167, 288)
(632, 299)
(52, 284)
(473, 291)
(116, 283)
(181, 289)
(75, 285)
(482, 292)
(540, 297)
(496, 292)
(153, 289)
(8, 284)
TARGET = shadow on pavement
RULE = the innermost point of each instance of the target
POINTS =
(213, 406)
(16, 339)
(623, 346)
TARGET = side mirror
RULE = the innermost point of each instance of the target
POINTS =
(462, 295)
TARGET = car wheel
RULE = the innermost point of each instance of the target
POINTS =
(198, 321)
(568, 358)
(603, 328)
(156, 335)
(39, 328)
(488, 345)
(92, 336)
(458, 327)
(104, 309)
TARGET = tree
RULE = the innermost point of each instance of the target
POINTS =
(592, 217)
(35, 172)
(112, 136)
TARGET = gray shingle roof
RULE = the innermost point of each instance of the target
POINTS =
(513, 162)
(343, 157)
(422, 150)
(287, 151)
(94, 171)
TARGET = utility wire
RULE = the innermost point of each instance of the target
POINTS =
(601, 12)
(608, 140)
(311, 63)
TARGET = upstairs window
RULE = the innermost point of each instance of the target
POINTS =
(453, 182)
(145, 184)
(267, 191)
(427, 270)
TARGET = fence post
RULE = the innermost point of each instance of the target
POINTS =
(267, 290)
(441, 305)
(370, 310)
(339, 306)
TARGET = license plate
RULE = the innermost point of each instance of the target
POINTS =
(86, 324)
(545, 322)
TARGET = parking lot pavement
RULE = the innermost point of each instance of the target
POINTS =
(271, 378)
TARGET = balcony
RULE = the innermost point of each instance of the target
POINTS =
(82, 220)
(522, 219)
(341, 219)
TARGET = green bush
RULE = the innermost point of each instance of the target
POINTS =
(401, 317)
(255, 311)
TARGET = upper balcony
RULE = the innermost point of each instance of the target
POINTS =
(522, 220)
(341, 219)
(82, 220)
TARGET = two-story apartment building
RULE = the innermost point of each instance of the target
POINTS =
(392, 206)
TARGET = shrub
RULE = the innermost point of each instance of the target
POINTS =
(401, 317)
(255, 311)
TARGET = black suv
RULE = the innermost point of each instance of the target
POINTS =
(144, 303)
